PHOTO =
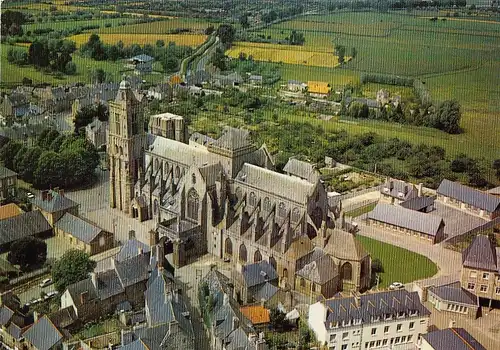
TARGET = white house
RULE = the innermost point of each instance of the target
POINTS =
(394, 319)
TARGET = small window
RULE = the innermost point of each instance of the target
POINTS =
(486, 275)
(497, 290)
(345, 335)
(102, 241)
(483, 288)
(399, 327)
(473, 274)
(374, 331)
(412, 325)
(386, 329)
(471, 286)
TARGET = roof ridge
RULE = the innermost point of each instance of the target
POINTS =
(454, 330)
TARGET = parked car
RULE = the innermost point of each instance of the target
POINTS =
(396, 286)
(46, 282)
(50, 295)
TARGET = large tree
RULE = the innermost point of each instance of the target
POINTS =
(72, 267)
(226, 33)
(447, 117)
(88, 113)
(27, 253)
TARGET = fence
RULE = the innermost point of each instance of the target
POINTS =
(484, 227)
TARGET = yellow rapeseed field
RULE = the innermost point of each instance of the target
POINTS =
(285, 53)
(142, 39)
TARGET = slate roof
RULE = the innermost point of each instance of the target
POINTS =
(266, 292)
(452, 339)
(43, 334)
(5, 315)
(455, 293)
(17, 99)
(281, 185)
(480, 254)
(366, 101)
(76, 289)
(81, 229)
(6, 172)
(57, 203)
(233, 139)
(418, 203)
(344, 245)
(258, 273)
(469, 195)
(304, 170)
(200, 138)
(320, 270)
(27, 224)
(131, 248)
(494, 191)
(398, 189)
(374, 305)
(406, 218)
(14, 330)
(142, 58)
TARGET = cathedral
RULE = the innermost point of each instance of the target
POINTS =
(223, 197)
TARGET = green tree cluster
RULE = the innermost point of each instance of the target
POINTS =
(53, 54)
(73, 266)
(27, 253)
(17, 56)
(11, 23)
(87, 114)
(296, 38)
(226, 34)
(54, 161)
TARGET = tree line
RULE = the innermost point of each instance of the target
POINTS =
(55, 160)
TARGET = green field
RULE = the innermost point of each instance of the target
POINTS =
(61, 25)
(13, 74)
(416, 266)
(161, 27)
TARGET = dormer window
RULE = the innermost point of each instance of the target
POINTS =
(401, 195)
(388, 316)
(401, 314)
(413, 312)
(334, 324)
(386, 190)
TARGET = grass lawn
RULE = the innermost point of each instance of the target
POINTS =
(416, 266)
(360, 211)
(104, 327)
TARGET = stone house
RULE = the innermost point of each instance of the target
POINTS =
(54, 204)
(449, 339)
(463, 197)
(231, 80)
(317, 275)
(397, 191)
(14, 105)
(8, 183)
(83, 235)
(256, 80)
(161, 92)
(141, 64)
(296, 86)
(100, 294)
(44, 335)
(378, 320)
(383, 96)
(255, 283)
(481, 269)
(13, 321)
(97, 133)
(406, 221)
(421, 204)
(54, 99)
(453, 298)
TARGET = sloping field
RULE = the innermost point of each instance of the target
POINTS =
(284, 53)
(61, 25)
(142, 39)
(161, 27)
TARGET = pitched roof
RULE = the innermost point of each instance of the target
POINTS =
(406, 218)
(43, 334)
(320, 271)
(6, 172)
(131, 248)
(9, 210)
(281, 185)
(304, 170)
(233, 139)
(266, 292)
(5, 315)
(76, 289)
(399, 189)
(54, 203)
(418, 203)
(17, 99)
(201, 138)
(452, 339)
(318, 87)
(257, 314)
(258, 273)
(469, 195)
(494, 191)
(78, 228)
(142, 58)
(27, 224)
(344, 245)
(374, 305)
(455, 293)
(480, 254)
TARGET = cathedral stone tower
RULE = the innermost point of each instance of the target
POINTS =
(126, 144)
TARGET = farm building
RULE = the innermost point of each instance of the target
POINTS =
(422, 204)
(83, 235)
(469, 199)
(14, 105)
(397, 191)
(296, 86)
(318, 87)
(411, 222)
(141, 64)
(54, 204)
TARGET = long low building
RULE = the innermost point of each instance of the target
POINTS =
(466, 198)
(28, 224)
(411, 222)
(453, 298)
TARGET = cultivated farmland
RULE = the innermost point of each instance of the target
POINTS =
(161, 27)
(285, 53)
(143, 39)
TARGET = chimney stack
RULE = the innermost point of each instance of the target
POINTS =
(84, 297)
(44, 195)
(35, 316)
(49, 195)
(391, 185)
(236, 323)
(419, 188)
(406, 189)
(93, 278)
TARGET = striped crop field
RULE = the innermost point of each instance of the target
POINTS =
(192, 40)
(285, 53)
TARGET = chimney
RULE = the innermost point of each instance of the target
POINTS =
(131, 234)
(419, 188)
(44, 195)
(93, 278)
(35, 316)
(391, 185)
(160, 255)
(84, 296)
(236, 323)
(406, 189)
(225, 301)
(49, 195)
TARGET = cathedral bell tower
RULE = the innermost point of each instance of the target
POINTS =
(126, 144)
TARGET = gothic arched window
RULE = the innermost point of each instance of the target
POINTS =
(193, 204)
(267, 204)
(282, 209)
(257, 256)
(252, 200)
(295, 214)
(177, 172)
(228, 247)
(346, 271)
(243, 253)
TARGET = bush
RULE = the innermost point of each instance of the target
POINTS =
(386, 79)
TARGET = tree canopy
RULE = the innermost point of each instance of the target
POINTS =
(73, 266)
(87, 114)
(226, 33)
(27, 253)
